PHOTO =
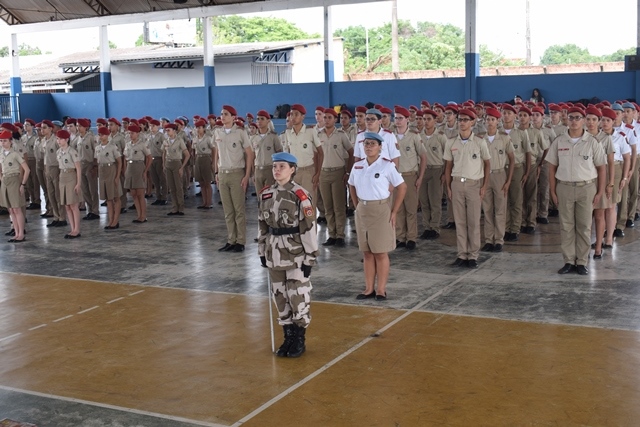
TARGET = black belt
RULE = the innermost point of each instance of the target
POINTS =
(282, 231)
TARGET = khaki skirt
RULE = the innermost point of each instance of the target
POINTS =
(109, 189)
(616, 195)
(68, 181)
(375, 233)
(134, 175)
(10, 196)
(203, 169)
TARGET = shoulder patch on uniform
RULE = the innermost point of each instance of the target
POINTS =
(386, 159)
(266, 196)
(387, 130)
(301, 194)
(361, 131)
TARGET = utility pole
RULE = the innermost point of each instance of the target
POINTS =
(395, 62)
(528, 34)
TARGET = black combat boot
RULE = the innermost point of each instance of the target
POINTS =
(297, 348)
(289, 337)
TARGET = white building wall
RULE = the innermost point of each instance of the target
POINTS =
(308, 63)
(144, 76)
(234, 72)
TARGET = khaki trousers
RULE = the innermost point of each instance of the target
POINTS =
(407, 217)
(633, 191)
(233, 204)
(467, 208)
(335, 200)
(263, 177)
(53, 188)
(495, 208)
(175, 185)
(575, 205)
(530, 199)
(304, 177)
(628, 201)
(33, 185)
(543, 191)
(89, 185)
(42, 181)
(158, 178)
(431, 198)
(514, 201)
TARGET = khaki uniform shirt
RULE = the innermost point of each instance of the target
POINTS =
(411, 148)
(499, 149)
(10, 161)
(434, 146)
(49, 148)
(67, 159)
(335, 148)
(155, 144)
(29, 142)
(537, 144)
(18, 146)
(87, 147)
(559, 129)
(137, 151)
(351, 132)
(38, 149)
(264, 145)
(203, 145)
(287, 206)
(450, 132)
(303, 144)
(174, 148)
(468, 158)
(479, 128)
(107, 154)
(521, 146)
(231, 148)
(118, 140)
(577, 161)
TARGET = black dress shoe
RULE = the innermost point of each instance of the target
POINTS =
(425, 234)
(66, 236)
(400, 244)
(381, 297)
(605, 246)
(597, 256)
(567, 268)
(636, 216)
(103, 203)
(434, 235)
(123, 210)
(582, 270)
(329, 242)
(238, 247)
(321, 220)
(511, 237)
(350, 213)
(11, 232)
(629, 224)
(488, 247)
(411, 245)
(172, 213)
(132, 207)
(553, 212)
(163, 203)
(497, 248)
(540, 220)
(618, 233)
(450, 226)
(529, 230)
(61, 224)
(180, 213)
(340, 243)
(46, 215)
(71, 236)
(53, 223)
(366, 296)
(226, 248)
(459, 262)
(139, 221)
(472, 263)
(156, 203)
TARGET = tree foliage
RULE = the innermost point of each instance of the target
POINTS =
(23, 50)
(573, 54)
(238, 29)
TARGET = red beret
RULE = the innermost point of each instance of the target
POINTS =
(538, 110)
(438, 105)
(48, 123)
(264, 113)
(453, 108)
(84, 123)
(431, 112)
(320, 108)
(608, 112)
(576, 110)
(490, 105)
(347, 112)
(102, 122)
(241, 119)
(201, 123)
(331, 111)
(103, 131)
(386, 110)
(525, 109)
(114, 120)
(126, 119)
(5, 134)
(555, 107)
(8, 126)
(63, 134)
(413, 107)
(470, 101)
(143, 122)
(425, 103)
(420, 113)
(230, 109)
(171, 126)
(250, 115)
(154, 122)
(361, 109)
(467, 112)
(134, 128)
(253, 125)
(606, 103)
(18, 125)
(402, 111)
(493, 112)
(134, 121)
(594, 111)
(299, 108)
(219, 123)
(378, 106)
(239, 123)
(179, 122)
(211, 116)
(509, 107)
(30, 121)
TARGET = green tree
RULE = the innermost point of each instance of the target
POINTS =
(566, 54)
(112, 45)
(618, 55)
(25, 50)
(4, 52)
(238, 29)
(140, 40)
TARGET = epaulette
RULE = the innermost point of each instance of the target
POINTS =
(301, 194)
(414, 131)
(310, 126)
(361, 131)
(264, 188)
(502, 132)
(273, 132)
(386, 159)
(339, 130)
(387, 130)
(628, 126)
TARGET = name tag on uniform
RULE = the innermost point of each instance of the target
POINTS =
(266, 196)
(358, 167)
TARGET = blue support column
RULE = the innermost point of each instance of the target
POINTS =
(15, 90)
(209, 84)
(105, 86)
(472, 72)
(209, 66)
(105, 69)
(329, 74)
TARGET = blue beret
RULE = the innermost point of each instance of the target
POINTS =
(165, 119)
(628, 105)
(616, 107)
(284, 157)
(374, 111)
(373, 135)
(59, 123)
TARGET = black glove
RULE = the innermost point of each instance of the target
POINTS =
(263, 261)
(306, 270)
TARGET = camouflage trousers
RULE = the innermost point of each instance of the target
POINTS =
(292, 296)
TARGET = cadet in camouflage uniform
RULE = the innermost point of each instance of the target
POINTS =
(288, 246)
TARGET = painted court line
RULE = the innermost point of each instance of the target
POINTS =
(62, 318)
(10, 336)
(115, 300)
(112, 407)
(88, 309)
(348, 352)
(38, 327)
(136, 293)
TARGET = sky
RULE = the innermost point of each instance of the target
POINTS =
(501, 24)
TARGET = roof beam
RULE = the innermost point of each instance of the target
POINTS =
(8, 17)
(186, 13)
(98, 7)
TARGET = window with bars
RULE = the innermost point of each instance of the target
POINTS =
(272, 68)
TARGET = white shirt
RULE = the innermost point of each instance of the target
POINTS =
(389, 145)
(372, 181)
(620, 146)
(628, 132)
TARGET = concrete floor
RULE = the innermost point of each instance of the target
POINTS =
(149, 325)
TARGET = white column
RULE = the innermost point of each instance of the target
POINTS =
(105, 57)
(15, 55)
(328, 34)
(471, 45)
(207, 41)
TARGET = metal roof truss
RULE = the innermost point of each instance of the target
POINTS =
(83, 69)
(184, 65)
